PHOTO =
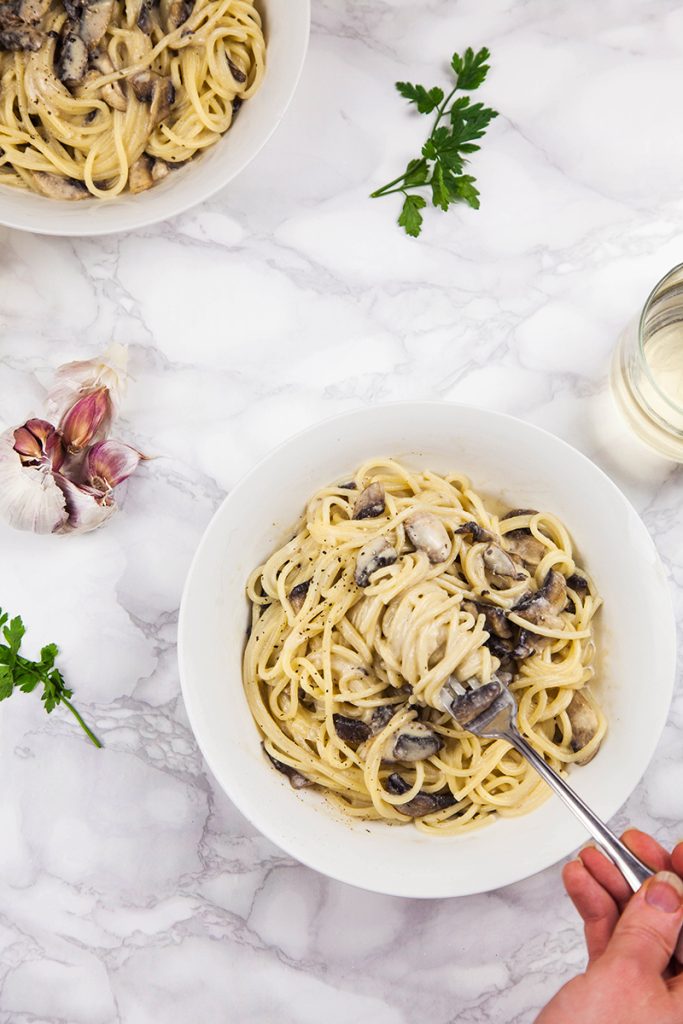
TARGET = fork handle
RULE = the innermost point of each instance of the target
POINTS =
(631, 867)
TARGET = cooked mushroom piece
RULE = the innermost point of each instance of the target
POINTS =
(140, 174)
(112, 93)
(369, 503)
(72, 62)
(174, 13)
(381, 717)
(32, 11)
(504, 651)
(495, 618)
(423, 803)
(514, 512)
(414, 742)
(20, 37)
(156, 90)
(427, 533)
(529, 643)
(297, 596)
(236, 72)
(376, 554)
(579, 584)
(543, 606)
(470, 705)
(499, 566)
(56, 187)
(144, 18)
(297, 780)
(527, 547)
(351, 730)
(95, 18)
(584, 723)
(160, 170)
(475, 533)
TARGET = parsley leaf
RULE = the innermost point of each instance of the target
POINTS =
(410, 217)
(17, 672)
(441, 163)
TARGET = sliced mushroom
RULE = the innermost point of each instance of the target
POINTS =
(72, 62)
(350, 486)
(370, 503)
(543, 606)
(140, 174)
(156, 90)
(57, 187)
(174, 13)
(351, 730)
(495, 617)
(414, 742)
(500, 567)
(529, 643)
(32, 11)
(514, 512)
(144, 18)
(527, 547)
(427, 533)
(376, 554)
(160, 170)
(466, 708)
(95, 18)
(297, 780)
(584, 723)
(421, 804)
(236, 72)
(504, 651)
(579, 584)
(16, 37)
(381, 717)
(112, 93)
(297, 596)
(72, 8)
(475, 533)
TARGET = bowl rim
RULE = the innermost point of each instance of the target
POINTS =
(130, 222)
(234, 794)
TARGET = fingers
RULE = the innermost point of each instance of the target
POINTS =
(649, 928)
(677, 859)
(595, 906)
(610, 877)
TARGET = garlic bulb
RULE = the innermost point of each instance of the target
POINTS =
(62, 479)
(74, 380)
(29, 496)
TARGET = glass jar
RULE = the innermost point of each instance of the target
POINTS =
(647, 371)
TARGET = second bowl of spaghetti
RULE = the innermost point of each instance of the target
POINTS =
(368, 562)
(119, 113)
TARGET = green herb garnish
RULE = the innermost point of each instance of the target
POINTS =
(440, 167)
(23, 674)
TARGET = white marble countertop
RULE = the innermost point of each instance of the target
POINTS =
(131, 890)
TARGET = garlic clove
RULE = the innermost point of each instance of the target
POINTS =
(29, 496)
(86, 508)
(109, 463)
(38, 441)
(89, 418)
(74, 380)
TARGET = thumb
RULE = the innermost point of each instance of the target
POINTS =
(648, 930)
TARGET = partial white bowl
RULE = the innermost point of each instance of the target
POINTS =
(505, 457)
(287, 25)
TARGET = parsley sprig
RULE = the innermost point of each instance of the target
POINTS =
(440, 167)
(17, 672)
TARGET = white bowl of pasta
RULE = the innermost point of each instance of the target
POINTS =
(118, 114)
(368, 561)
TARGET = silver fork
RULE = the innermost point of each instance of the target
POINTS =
(490, 712)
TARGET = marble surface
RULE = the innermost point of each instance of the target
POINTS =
(131, 890)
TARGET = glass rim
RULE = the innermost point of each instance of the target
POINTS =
(641, 348)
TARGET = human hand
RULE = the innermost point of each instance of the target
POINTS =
(631, 939)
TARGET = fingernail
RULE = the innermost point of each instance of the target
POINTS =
(665, 892)
(678, 952)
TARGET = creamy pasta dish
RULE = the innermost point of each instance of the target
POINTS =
(98, 97)
(396, 584)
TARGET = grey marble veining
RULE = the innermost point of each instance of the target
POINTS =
(130, 889)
